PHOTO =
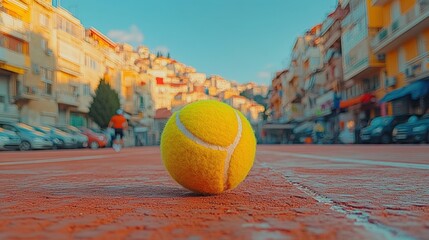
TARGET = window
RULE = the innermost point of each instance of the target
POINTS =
(43, 20)
(47, 74)
(395, 11)
(13, 44)
(141, 102)
(129, 93)
(47, 88)
(44, 44)
(86, 90)
(422, 44)
(91, 63)
(401, 60)
(371, 84)
(68, 52)
(67, 26)
(47, 78)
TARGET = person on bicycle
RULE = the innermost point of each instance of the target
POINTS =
(119, 123)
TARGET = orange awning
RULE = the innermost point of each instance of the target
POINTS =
(364, 98)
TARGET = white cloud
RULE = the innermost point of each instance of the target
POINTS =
(264, 74)
(133, 35)
(162, 49)
(269, 65)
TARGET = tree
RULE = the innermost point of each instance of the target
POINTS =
(246, 94)
(262, 101)
(168, 55)
(104, 104)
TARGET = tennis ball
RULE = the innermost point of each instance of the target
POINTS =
(208, 147)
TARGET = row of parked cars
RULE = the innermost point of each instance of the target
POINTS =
(384, 129)
(398, 129)
(21, 136)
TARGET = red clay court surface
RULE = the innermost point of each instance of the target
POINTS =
(292, 192)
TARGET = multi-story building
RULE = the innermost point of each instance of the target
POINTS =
(215, 84)
(95, 49)
(361, 66)
(15, 91)
(327, 104)
(312, 73)
(183, 98)
(332, 56)
(404, 41)
(252, 90)
(196, 78)
(260, 90)
(68, 35)
(294, 82)
(276, 97)
(228, 93)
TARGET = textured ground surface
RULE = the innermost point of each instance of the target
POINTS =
(292, 192)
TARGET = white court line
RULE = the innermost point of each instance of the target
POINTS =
(70, 159)
(350, 160)
(360, 218)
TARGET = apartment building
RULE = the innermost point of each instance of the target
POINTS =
(14, 59)
(276, 97)
(404, 41)
(361, 66)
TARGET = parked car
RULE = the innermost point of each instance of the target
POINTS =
(9, 140)
(415, 130)
(61, 139)
(30, 138)
(95, 140)
(81, 139)
(380, 129)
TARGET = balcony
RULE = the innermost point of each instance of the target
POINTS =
(407, 26)
(27, 93)
(354, 15)
(417, 68)
(13, 58)
(360, 61)
(13, 26)
(294, 72)
(67, 98)
(111, 55)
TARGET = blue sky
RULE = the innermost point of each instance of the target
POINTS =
(241, 40)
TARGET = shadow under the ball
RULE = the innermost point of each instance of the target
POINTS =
(134, 191)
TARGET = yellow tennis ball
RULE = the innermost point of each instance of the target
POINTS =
(208, 147)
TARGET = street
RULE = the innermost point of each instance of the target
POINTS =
(292, 192)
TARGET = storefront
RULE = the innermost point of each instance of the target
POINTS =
(358, 109)
(324, 112)
(275, 133)
(411, 99)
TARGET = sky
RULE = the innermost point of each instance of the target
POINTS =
(240, 40)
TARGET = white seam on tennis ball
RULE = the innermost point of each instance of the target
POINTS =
(194, 138)
(229, 150)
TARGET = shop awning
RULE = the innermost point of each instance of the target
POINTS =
(364, 98)
(415, 89)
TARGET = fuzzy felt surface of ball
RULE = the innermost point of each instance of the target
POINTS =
(208, 147)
